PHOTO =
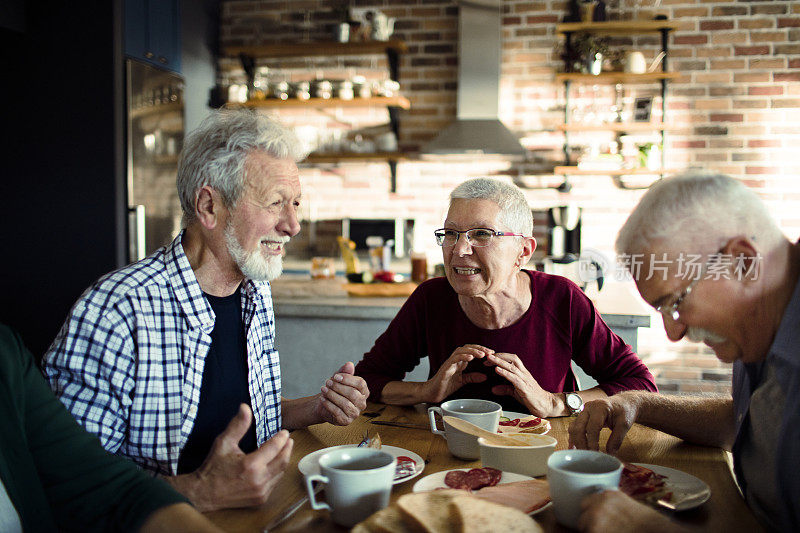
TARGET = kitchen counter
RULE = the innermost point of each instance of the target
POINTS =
(319, 328)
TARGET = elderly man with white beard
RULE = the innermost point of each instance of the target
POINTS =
(171, 361)
(705, 252)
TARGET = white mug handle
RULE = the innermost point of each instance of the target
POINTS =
(431, 415)
(310, 489)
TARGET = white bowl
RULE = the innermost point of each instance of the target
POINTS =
(526, 460)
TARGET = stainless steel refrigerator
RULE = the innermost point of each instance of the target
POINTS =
(155, 127)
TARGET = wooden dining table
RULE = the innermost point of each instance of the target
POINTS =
(724, 511)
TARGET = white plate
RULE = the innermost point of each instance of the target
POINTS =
(436, 481)
(682, 485)
(513, 414)
(309, 465)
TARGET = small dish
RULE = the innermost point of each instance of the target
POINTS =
(526, 460)
(514, 414)
(309, 464)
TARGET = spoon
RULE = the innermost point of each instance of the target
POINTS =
(492, 438)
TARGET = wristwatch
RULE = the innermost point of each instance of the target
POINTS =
(574, 402)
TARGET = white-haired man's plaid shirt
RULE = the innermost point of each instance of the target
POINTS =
(128, 362)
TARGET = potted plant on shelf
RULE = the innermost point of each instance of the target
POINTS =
(585, 54)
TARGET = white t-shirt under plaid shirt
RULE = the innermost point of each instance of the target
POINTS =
(128, 362)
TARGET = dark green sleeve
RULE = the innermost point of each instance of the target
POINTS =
(87, 488)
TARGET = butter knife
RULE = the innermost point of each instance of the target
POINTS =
(398, 424)
(291, 510)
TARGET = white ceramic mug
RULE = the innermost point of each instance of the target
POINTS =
(358, 482)
(482, 413)
(575, 474)
(635, 62)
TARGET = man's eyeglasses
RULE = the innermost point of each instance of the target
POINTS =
(475, 236)
(670, 310)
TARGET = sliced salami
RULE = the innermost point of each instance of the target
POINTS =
(478, 478)
(494, 475)
(457, 479)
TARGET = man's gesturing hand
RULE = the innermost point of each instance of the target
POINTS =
(229, 477)
(343, 397)
(450, 377)
(616, 412)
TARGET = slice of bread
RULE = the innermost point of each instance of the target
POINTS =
(474, 515)
(388, 520)
(429, 511)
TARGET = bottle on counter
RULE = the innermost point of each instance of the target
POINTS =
(419, 267)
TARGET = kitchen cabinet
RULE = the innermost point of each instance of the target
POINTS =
(662, 77)
(152, 32)
(394, 104)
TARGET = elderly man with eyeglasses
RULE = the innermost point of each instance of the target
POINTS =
(744, 303)
(493, 330)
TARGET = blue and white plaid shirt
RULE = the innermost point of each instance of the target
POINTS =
(128, 362)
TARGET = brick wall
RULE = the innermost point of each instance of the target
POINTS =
(736, 106)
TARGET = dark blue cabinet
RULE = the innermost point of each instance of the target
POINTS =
(153, 32)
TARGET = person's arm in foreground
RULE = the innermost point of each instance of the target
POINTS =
(178, 517)
(708, 421)
(85, 486)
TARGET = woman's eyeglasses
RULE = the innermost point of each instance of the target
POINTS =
(475, 236)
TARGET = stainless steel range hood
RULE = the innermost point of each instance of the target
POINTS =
(477, 130)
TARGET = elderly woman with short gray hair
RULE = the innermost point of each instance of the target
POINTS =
(494, 330)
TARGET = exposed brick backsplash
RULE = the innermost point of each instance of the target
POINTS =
(736, 107)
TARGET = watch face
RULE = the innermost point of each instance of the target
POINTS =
(574, 401)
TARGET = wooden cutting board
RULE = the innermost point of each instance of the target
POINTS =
(385, 290)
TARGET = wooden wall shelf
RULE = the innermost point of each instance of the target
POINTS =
(618, 27)
(317, 49)
(348, 157)
(616, 77)
(575, 171)
(618, 127)
(375, 101)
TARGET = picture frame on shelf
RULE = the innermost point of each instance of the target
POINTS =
(641, 108)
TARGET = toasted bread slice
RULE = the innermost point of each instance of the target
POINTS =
(474, 515)
(388, 520)
(429, 511)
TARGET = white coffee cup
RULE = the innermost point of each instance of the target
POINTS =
(575, 474)
(482, 413)
(358, 482)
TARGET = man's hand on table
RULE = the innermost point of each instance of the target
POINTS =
(616, 412)
(231, 478)
(523, 386)
(450, 377)
(612, 510)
